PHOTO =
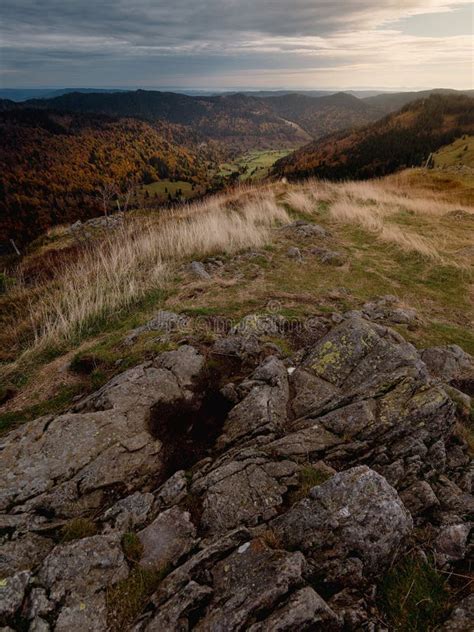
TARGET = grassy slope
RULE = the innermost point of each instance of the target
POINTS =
(458, 153)
(439, 287)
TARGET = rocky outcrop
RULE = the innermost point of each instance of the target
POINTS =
(348, 528)
(272, 493)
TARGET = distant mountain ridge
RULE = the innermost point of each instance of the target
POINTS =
(227, 115)
(402, 139)
(390, 102)
(235, 119)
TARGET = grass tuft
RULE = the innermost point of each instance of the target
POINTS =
(309, 477)
(414, 596)
(78, 528)
(132, 547)
(127, 598)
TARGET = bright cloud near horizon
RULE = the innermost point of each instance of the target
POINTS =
(304, 44)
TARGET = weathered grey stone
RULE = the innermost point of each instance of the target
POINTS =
(185, 363)
(351, 607)
(83, 567)
(172, 616)
(448, 363)
(311, 393)
(387, 308)
(259, 325)
(419, 497)
(12, 592)
(39, 625)
(356, 514)
(83, 615)
(163, 322)
(243, 348)
(198, 270)
(242, 492)
(305, 444)
(112, 441)
(461, 617)
(451, 542)
(452, 498)
(130, 512)
(173, 490)
(329, 257)
(457, 457)
(38, 603)
(264, 409)
(294, 253)
(304, 611)
(250, 581)
(199, 564)
(462, 400)
(305, 230)
(354, 355)
(167, 538)
(23, 553)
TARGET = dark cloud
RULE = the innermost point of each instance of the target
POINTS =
(210, 35)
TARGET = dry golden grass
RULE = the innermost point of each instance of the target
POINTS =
(375, 205)
(134, 261)
(138, 257)
(300, 201)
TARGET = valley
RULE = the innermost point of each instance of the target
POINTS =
(61, 155)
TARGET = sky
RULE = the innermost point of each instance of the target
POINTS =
(232, 44)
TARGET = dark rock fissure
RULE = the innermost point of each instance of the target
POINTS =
(188, 429)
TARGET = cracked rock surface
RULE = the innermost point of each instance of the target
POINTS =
(249, 497)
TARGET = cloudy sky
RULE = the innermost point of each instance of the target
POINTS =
(237, 43)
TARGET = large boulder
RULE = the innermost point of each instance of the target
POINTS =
(66, 463)
(349, 527)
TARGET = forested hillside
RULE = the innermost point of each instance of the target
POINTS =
(323, 115)
(403, 139)
(54, 165)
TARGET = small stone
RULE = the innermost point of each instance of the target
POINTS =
(40, 625)
(448, 363)
(199, 271)
(38, 603)
(294, 253)
(329, 257)
(452, 541)
(130, 512)
(304, 610)
(173, 490)
(419, 498)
